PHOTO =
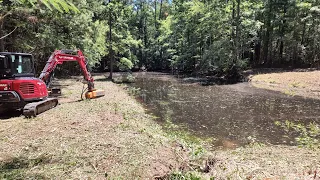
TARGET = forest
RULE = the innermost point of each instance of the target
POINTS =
(190, 36)
(177, 124)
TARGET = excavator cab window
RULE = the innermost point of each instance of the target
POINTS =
(5, 69)
(26, 64)
(4, 62)
(16, 65)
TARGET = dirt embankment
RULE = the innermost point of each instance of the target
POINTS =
(305, 84)
(113, 138)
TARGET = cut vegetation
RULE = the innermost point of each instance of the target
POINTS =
(306, 84)
(113, 138)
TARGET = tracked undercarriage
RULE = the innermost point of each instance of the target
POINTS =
(35, 108)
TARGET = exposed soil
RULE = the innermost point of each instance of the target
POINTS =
(305, 84)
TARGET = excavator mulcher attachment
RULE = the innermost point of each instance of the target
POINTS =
(94, 94)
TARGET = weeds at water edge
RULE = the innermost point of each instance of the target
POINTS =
(308, 135)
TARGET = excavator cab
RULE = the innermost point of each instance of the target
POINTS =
(16, 65)
(19, 88)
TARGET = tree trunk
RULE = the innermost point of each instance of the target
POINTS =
(145, 34)
(237, 37)
(257, 50)
(303, 32)
(233, 20)
(295, 45)
(281, 52)
(160, 10)
(266, 42)
(1, 40)
(110, 44)
(155, 14)
(282, 33)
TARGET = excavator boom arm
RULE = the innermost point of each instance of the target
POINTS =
(60, 56)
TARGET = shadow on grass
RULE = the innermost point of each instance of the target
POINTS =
(14, 168)
(9, 113)
(75, 101)
(103, 79)
(60, 85)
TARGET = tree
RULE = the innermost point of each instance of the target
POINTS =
(120, 42)
(15, 6)
(200, 37)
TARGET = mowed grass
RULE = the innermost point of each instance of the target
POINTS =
(81, 139)
(304, 84)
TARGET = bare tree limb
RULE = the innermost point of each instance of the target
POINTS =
(9, 33)
(5, 15)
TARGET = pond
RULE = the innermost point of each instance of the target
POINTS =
(238, 113)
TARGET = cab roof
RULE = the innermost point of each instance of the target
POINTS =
(15, 53)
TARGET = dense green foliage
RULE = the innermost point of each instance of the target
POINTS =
(196, 36)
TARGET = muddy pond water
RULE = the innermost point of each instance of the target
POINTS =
(238, 113)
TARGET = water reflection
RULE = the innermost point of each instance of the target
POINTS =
(234, 112)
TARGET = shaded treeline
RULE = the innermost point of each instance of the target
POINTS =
(197, 36)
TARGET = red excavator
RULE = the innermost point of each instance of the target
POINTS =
(19, 88)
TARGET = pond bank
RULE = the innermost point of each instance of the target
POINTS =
(254, 161)
(305, 84)
(114, 138)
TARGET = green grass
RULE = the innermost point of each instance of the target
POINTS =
(289, 92)
(295, 84)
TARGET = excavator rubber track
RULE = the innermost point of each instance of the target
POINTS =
(35, 108)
